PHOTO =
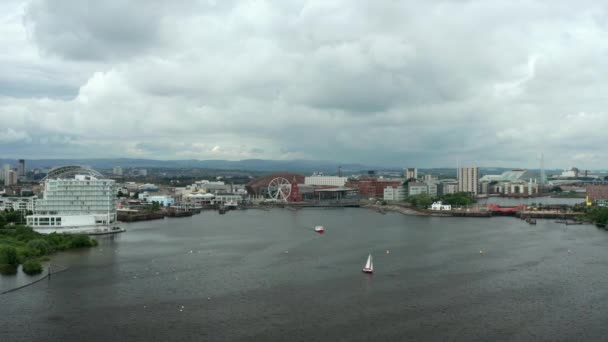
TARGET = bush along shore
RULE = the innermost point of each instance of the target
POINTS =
(21, 245)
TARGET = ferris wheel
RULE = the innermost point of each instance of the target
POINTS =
(279, 189)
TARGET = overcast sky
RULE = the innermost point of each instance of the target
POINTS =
(400, 83)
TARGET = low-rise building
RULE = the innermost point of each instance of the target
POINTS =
(415, 188)
(165, 201)
(318, 179)
(597, 193)
(447, 187)
(17, 203)
(440, 206)
(397, 193)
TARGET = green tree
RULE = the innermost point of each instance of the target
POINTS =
(421, 200)
(32, 267)
(40, 246)
(8, 256)
(458, 199)
(155, 206)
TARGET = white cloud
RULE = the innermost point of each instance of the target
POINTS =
(12, 136)
(424, 83)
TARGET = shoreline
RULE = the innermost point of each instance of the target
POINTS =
(401, 209)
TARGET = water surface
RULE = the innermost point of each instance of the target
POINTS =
(266, 276)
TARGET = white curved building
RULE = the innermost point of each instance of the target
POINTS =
(81, 204)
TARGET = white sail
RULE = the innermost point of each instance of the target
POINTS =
(369, 264)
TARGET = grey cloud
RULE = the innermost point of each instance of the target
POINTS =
(99, 30)
(388, 82)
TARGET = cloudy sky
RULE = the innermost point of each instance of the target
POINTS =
(412, 83)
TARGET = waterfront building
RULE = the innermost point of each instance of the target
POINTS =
(468, 179)
(597, 193)
(325, 180)
(372, 187)
(165, 201)
(511, 175)
(227, 198)
(415, 188)
(410, 173)
(75, 200)
(211, 186)
(516, 188)
(395, 193)
(440, 206)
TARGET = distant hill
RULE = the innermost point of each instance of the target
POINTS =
(260, 165)
(247, 164)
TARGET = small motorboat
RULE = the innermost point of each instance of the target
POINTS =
(319, 229)
(369, 265)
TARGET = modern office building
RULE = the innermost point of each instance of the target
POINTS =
(75, 200)
(21, 168)
(325, 180)
(468, 180)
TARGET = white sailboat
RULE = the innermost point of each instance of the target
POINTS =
(369, 265)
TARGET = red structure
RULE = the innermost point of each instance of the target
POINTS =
(597, 192)
(295, 192)
(494, 207)
(372, 187)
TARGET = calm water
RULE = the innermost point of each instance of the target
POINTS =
(510, 201)
(266, 276)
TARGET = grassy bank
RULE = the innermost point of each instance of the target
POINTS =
(22, 245)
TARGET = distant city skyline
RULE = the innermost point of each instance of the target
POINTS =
(416, 83)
